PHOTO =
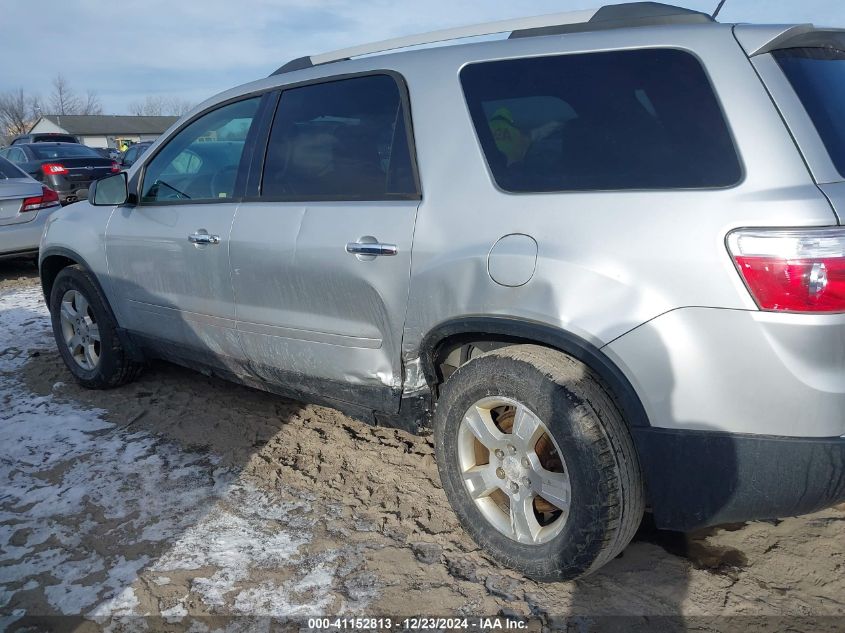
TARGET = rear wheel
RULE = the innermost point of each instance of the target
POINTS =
(86, 332)
(537, 462)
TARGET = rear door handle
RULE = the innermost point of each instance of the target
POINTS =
(375, 249)
(203, 238)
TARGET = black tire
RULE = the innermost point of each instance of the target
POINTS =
(115, 367)
(606, 480)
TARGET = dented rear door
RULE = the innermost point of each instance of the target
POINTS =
(321, 255)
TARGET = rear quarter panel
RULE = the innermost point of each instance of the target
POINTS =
(607, 261)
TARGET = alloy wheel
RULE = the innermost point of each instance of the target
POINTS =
(513, 470)
(80, 330)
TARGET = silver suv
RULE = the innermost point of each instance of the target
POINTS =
(601, 258)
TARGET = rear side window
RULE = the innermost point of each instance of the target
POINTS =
(818, 77)
(340, 140)
(643, 119)
(16, 155)
(8, 170)
(129, 156)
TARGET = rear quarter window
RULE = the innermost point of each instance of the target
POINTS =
(818, 77)
(643, 119)
(8, 170)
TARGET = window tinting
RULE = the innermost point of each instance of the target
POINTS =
(8, 170)
(54, 138)
(818, 77)
(129, 156)
(43, 151)
(644, 119)
(201, 161)
(340, 140)
(16, 155)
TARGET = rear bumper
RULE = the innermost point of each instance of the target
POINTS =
(68, 190)
(738, 371)
(701, 478)
(24, 238)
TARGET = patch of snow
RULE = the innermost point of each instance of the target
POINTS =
(235, 543)
(6, 620)
(174, 613)
(123, 603)
(64, 470)
(69, 478)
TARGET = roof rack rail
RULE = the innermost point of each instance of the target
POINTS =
(607, 17)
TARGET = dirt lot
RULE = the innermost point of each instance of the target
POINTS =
(184, 496)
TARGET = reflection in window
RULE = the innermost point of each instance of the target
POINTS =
(643, 119)
(201, 162)
(340, 140)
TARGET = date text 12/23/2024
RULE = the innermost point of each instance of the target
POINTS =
(417, 624)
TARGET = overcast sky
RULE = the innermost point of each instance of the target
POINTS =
(191, 49)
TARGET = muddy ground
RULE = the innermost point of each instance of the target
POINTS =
(184, 496)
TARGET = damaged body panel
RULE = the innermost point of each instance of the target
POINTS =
(306, 306)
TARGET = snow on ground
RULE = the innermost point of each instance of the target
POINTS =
(86, 505)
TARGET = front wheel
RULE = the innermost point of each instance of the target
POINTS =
(537, 462)
(86, 332)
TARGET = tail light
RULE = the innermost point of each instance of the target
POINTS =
(53, 169)
(792, 270)
(115, 168)
(48, 198)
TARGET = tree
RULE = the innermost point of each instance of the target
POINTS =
(92, 103)
(157, 105)
(64, 100)
(17, 113)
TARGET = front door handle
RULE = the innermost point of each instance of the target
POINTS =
(374, 249)
(203, 238)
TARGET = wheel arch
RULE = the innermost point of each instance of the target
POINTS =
(445, 337)
(52, 261)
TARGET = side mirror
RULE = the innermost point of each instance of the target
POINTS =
(109, 191)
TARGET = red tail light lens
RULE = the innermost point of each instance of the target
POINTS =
(48, 198)
(792, 270)
(115, 168)
(52, 169)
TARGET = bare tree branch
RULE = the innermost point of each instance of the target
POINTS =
(156, 105)
(64, 100)
(17, 113)
(92, 104)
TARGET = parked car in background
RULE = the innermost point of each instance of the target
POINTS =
(45, 137)
(67, 168)
(602, 257)
(133, 153)
(112, 153)
(25, 205)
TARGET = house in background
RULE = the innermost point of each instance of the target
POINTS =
(105, 130)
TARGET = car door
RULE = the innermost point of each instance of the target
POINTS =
(321, 252)
(168, 254)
